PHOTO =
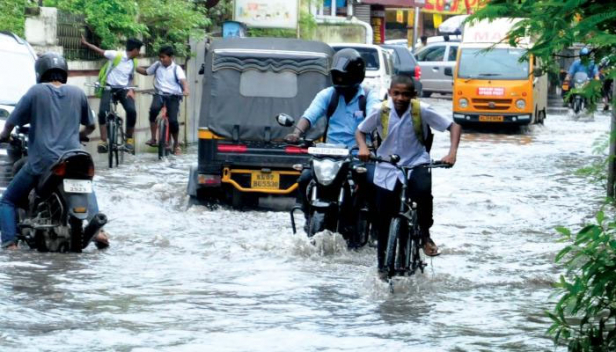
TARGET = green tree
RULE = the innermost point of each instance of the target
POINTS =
(12, 16)
(157, 21)
(585, 316)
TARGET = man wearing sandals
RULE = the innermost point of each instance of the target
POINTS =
(395, 122)
(170, 83)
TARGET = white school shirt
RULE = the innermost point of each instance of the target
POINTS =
(165, 77)
(401, 140)
(119, 75)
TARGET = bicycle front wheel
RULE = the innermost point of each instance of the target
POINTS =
(120, 142)
(394, 247)
(163, 138)
(111, 146)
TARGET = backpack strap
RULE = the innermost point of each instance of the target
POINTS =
(331, 109)
(333, 105)
(116, 61)
(417, 123)
(384, 120)
(175, 72)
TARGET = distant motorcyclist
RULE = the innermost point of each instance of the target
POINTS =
(347, 102)
(54, 111)
(579, 66)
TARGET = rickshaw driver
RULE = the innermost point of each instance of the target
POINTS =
(348, 72)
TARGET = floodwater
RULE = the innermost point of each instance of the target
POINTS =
(197, 278)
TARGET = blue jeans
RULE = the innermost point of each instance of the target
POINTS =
(16, 192)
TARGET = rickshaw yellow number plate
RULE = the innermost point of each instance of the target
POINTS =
(483, 118)
(262, 180)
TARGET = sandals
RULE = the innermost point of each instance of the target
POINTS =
(430, 248)
(152, 142)
(177, 151)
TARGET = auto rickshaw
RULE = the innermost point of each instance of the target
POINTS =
(248, 81)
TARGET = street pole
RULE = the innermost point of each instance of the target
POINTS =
(415, 27)
(611, 169)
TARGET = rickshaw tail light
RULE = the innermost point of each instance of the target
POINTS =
(232, 148)
(295, 150)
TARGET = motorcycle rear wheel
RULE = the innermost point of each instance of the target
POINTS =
(76, 231)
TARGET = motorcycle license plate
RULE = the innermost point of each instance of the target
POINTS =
(488, 118)
(77, 186)
(328, 151)
(262, 180)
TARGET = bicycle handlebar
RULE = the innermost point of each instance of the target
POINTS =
(432, 165)
(97, 85)
(162, 94)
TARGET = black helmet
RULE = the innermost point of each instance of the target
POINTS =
(49, 62)
(348, 69)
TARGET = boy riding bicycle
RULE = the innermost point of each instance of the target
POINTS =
(170, 84)
(118, 75)
(403, 125)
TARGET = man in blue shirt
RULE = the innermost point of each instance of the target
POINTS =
(348, 72)
(577, 66)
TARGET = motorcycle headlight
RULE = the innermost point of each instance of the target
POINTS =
(520, 104)
(463, 103)
(579, 84)
(326, 170)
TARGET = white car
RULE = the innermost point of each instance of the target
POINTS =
(379, 65)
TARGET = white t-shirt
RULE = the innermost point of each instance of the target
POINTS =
(166, 81)
(119, 75)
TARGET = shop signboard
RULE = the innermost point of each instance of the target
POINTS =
(453, 7)
(267, 13)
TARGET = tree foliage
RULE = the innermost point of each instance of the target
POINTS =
(585, 315)
(157, 21)
(12, 16)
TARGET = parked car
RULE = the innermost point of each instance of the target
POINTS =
(400, 42)
(379, 65)
(17, 75)
(405, 64)
(435, 60)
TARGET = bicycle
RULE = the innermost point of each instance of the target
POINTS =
(162, 123)
(116, 137)
(404, 241)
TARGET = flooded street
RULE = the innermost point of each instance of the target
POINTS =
(195, 278)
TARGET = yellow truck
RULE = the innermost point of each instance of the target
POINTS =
(492, 84)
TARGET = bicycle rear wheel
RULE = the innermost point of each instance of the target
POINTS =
(163, 138)
(111, 130)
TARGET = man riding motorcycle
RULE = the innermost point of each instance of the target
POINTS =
(353, 101)
(54, 111)
(579, 66)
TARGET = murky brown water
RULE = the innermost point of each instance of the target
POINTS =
(181, 278)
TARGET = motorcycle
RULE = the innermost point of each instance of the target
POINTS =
(333, 197)
(53, 216)
(577, 101)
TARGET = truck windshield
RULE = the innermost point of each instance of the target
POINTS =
(16, 76)
(492, 64)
